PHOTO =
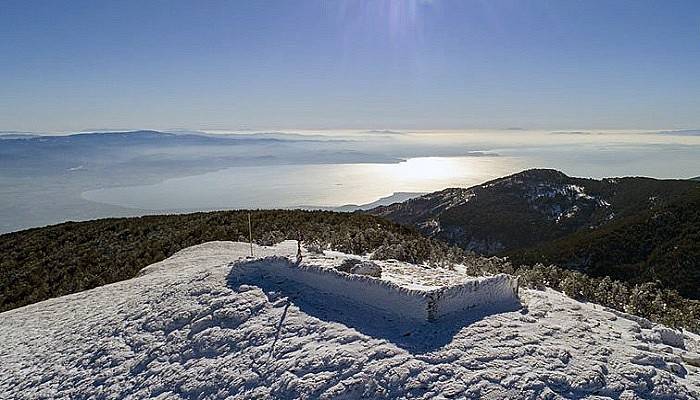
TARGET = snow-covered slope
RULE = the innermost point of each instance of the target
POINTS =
(185, 328)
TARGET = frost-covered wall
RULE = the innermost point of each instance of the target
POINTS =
(494, 292)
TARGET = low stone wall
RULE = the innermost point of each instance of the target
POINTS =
(495, 292)
(483, 292)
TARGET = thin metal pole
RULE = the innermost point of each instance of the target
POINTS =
(250, 231)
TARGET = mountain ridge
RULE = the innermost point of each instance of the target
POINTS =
(541, 204)
(634, 229)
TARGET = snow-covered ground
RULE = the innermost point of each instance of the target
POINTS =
(188, 327)
(406, 291)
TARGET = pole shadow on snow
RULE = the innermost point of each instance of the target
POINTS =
(414, 335)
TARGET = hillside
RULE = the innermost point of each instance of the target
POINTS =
(52, 261)
(631, 229)
(529, 208)
(661, 244)
(184, 328)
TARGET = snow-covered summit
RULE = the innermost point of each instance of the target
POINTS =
(398, 290)
(192, 327)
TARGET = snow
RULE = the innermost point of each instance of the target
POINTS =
(405, 290)
(450, 198)
(367, 268)
(187, 328)
(567, 209)
(553, 190)
(430, 227)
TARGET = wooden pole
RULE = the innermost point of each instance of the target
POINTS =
(250, 231)
(298, 247)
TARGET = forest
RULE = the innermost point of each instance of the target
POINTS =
(42, 263)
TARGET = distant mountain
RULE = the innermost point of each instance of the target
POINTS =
(13, 136)
(53, 154)
(396, 197)
(529, 208)
(131, 137)
(127, 134)
(682, 132)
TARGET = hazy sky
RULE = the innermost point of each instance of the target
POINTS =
(73, 65)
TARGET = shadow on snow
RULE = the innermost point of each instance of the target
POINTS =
(414, 335)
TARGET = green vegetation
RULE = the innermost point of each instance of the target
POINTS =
(636, 230)
(530, 208)
(648, 300)
(41, 263)
(47, 262)
(658, 245)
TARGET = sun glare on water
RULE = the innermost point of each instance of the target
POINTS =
(428, 168)
(437, 173)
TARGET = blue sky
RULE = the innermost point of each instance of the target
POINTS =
(349, 64)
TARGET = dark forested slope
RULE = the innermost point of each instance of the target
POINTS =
(46, 262)
(530, 208)
(661, 244)
(631, 229)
